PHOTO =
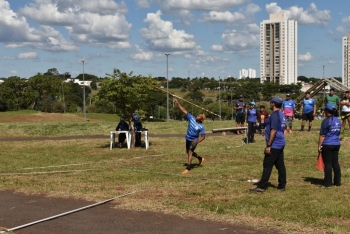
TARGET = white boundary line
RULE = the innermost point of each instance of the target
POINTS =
(46, 172)
(79, 164)
(185, 176)
(66, 213)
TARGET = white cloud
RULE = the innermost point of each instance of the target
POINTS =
(28, 55)
(223, 17)
(161, 36)
(198, 5)
(99, 23)
(305, 57)
(242, 40)
(142, 55)
(331, 62)
(345, 27)
(142, 3)
(309, 16)
(15, 32)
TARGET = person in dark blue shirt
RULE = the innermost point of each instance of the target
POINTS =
(251, 120)
(137, 127)
(275, 142)
(329, 145)
(122, 126)
(195, 128)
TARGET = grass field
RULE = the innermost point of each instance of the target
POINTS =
(216, 191)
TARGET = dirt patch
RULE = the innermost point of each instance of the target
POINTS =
(41, 117)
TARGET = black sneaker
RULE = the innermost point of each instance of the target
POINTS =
(257, 190)
(281, 189)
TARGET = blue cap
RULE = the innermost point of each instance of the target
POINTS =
(253, 103)
(276, 100)
(328, 106)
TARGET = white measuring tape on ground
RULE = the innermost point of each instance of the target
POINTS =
(66, 213)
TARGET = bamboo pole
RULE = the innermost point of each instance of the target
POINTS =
(184, 100)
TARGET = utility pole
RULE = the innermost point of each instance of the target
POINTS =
(84, 109)
(219, 99)
(167, 88)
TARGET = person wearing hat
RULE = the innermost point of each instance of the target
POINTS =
(329, 145)
(241, 111)
(122, 126)
(345, 111)
(137, 127)
(308, 110)
(194, 129)
(274, 154)
(251, 120)
(288, 108)
(333, 99)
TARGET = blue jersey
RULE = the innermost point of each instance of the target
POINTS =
(137, 122)
(194, 128)
(308, 105)
(276, 121)
(288, 107)
(252, 115)
(331, 127)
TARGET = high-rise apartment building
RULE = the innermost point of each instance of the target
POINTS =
(250, 73)
(278, 49)
(346, 62)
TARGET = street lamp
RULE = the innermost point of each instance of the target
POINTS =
(84, 110)
(219, 99)
(167, 88)
(231, 106)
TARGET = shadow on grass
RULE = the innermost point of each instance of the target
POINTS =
(312, 180)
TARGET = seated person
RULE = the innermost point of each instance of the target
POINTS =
(137, 127)
(122, 126)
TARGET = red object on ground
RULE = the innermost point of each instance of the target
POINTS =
(320, 164)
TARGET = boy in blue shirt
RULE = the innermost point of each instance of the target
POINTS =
(275, 142)
(308, 110)
(195, 127)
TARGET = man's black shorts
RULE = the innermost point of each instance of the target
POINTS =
(308, 116)
(240, 118)
(190, 146)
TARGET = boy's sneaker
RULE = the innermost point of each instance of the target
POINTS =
(201, 160)
(281, 189)
(185, 171)
(257, 190)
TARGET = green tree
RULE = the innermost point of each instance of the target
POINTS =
(269, 89)
(129, 93)
(12, 94)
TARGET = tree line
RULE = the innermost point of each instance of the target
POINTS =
(124, 93)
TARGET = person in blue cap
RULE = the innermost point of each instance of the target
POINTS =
(329, 145)
(275, 142)
(251, 120)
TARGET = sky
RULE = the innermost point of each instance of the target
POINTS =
(211, 38)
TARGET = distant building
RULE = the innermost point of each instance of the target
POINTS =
(81, 83)
(278, 49)
(1, 81)
(346, 61)
(251, 73)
